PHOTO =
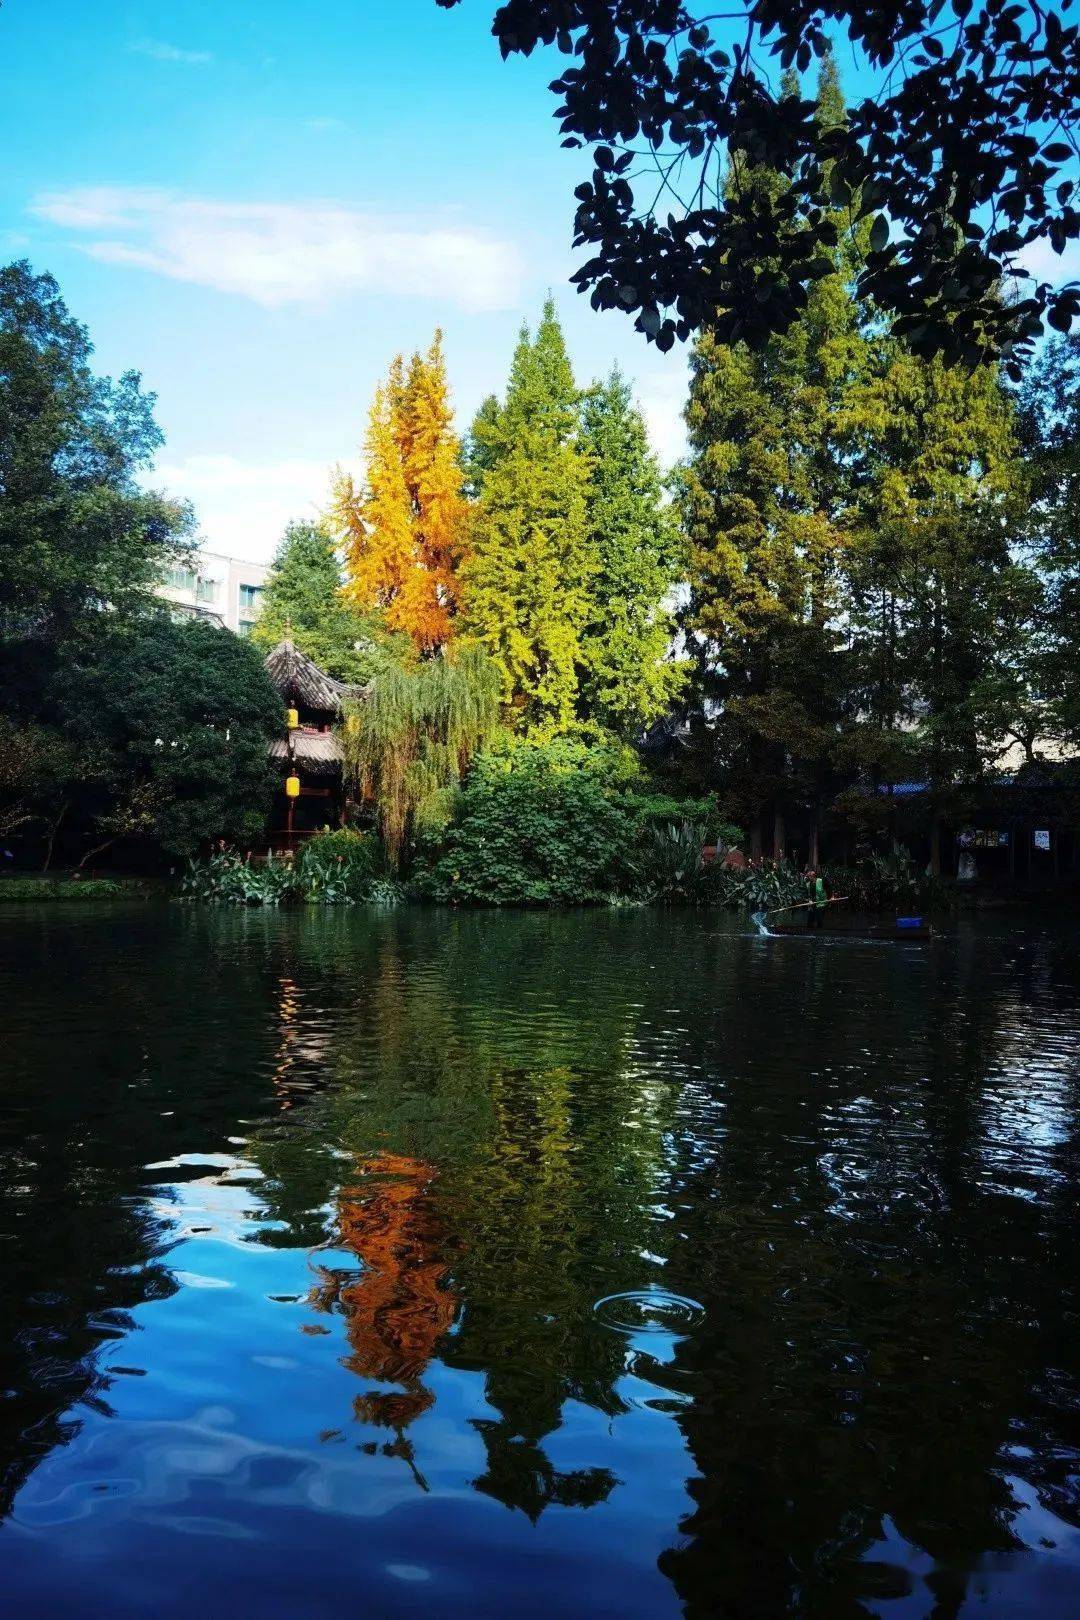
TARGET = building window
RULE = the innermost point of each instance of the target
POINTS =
(250, 599)
(245, 627)
(180, 579)
(207, 590)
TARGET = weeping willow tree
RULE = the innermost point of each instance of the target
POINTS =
(415, 734)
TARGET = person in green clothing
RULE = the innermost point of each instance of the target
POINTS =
(818, 896)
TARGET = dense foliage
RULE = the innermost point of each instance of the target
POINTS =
(303, 598)
(861, 594)
(1045, 671)
(530, 830)
(331, 869)
(573, 549)
(117, 727)
(76, 530)
(179, 716)
(415, 733)
(874, 558)
(762, 498)
(528, 579)
(961, 149)
(405, 529)
(26, 890)
(627, 675)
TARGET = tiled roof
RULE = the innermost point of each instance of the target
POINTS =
(297, 677)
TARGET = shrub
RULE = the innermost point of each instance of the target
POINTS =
(333, 868)
(531, 827)
(659, 810)
(336, 868)
(668, 861)
(756, 888)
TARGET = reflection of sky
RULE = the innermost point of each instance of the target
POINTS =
(231, 1423)
(1028, 1105)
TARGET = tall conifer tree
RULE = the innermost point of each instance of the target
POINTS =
(940, 594)
(404, 530)
(764, 499)
(527, 579)
(627, 678)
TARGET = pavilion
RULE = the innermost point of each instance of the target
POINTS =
(309, 755)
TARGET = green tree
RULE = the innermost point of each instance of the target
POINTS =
(76, 531)
(532, 826)
(303, 598)
(181, 715)
(526, 585)
(479, 451)
(1050, 436)
(941, 594)
(764, 500)
(627, 678)
(414, 734)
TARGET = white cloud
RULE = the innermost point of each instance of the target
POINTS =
(285, 253)
(243, 506)
(662, 395)
(162, 52)
(1040, 260)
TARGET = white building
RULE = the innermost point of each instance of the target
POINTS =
(223, 589)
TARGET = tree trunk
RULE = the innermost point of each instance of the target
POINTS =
(755, 838)
(53, 830)
(778, 834)
(815, 839)
(98, 849)
(935, 847)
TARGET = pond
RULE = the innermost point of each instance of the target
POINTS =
(600, 1263)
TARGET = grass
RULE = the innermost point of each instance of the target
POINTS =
(67, 889)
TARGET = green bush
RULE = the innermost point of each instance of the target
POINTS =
(659, 810)
(532, 826)
(333, 868)
(336, 868)
(668, 862)
(756, 888)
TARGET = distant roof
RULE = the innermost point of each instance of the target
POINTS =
(293, 673)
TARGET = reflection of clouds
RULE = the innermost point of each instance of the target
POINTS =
(169, 1465)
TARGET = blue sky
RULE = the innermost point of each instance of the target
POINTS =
(257, 205)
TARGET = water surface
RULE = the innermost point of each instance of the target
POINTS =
(607, 1264)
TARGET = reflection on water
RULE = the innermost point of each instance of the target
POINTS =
(593, 1264)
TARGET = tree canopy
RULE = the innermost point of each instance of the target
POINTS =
(304, 599)
(962, 151)
(627, 676)
(527, 581)
(76, 530)
(405, 529)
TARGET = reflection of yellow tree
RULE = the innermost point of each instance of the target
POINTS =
(397, 1309)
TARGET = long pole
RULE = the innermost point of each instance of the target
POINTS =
(804, 905)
